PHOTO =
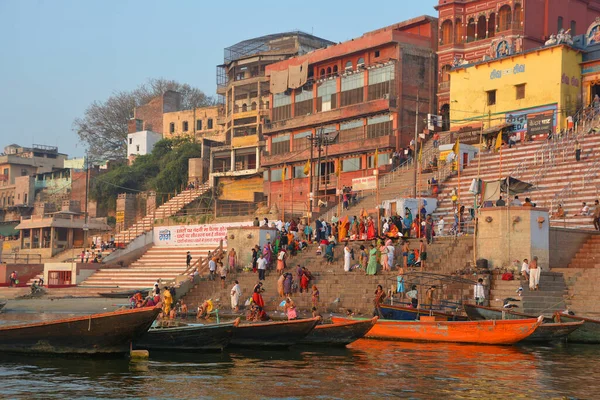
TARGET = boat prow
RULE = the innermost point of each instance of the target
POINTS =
(273, 334)
(339, 334)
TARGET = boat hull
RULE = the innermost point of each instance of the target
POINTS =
(124, 294)
(547, 332)
(340, 334)
(210, 337)
(477, 332)
(272, 334)
(107, 333)
(2, 305)
(589, 331)
(399, 313)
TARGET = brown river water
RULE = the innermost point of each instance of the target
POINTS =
(367, 369)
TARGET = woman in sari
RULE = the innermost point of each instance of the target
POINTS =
(329, 253)
(362, 230)
(372, 265)
(370, 229)
(167, 301)
(354, 229)
(280, 282)
(257, 295)
(267, 253)
(287, 284)
(232, 258)
(343, 229)
(393, 232)
(281, 261)
(391, 250)
(384, 257)
(347, 257)
(363, 259)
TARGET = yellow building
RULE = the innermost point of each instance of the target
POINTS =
(200, 121)
(523, 91)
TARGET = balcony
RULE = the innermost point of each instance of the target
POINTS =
(332, 116)
(444, 86)
(356, 146)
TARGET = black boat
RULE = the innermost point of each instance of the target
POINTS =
(340, 334)
(273, 334)
(124, 294)
(106, 333)
(184, 337)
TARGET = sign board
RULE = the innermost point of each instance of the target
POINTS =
(120, 217)
(193, 235)
(366, 183)
(539, 124)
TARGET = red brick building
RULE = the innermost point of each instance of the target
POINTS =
(473, 30)
(361, 96)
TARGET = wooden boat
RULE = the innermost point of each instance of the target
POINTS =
(2, 304)
(588, 333)
(124, 294)
(273, 334)
(401, 313)
(547, 332)
(106, 333)
(184, 337)
(478, 332)
(340, 334)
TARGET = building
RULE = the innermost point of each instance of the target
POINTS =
(149, 117)
(474, 30)
(530, 92)
(243, 89)
(141, 143)
(362, 97)
(590, 67)
(198, 123)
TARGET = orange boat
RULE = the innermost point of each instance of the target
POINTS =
(477, 332)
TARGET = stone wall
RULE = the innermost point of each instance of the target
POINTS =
(243, 239)
(564, 244)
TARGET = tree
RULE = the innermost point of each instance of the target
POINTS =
(103, 126)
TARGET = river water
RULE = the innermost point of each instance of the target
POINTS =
(366, 369)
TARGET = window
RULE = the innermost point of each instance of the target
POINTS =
(137, 147)
(351, 164)
(348, 66)
(209, 124)
(352, 89)
(184, 126)
(304, 102)
(282, 107)
(301, 141)
(573, 28)
(299, 172)
(381, 82)
(352, 130)
(276, 175)
(491, 97)
(520, 91)
(23, 172)
(379, 126)
(447, 30)
(360, 62)
(504, 18)
(198, 124)
(382, 159)
(376, 53)
(326, 96)
(25, 198)
(559, 23)
(130, 141)
(322, 73)
(172, 127)
(280, 144)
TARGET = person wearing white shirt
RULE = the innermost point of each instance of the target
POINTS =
(440, 226)
(585, 209)
(516, 202)
(479, 292)
(262, 267)
(525, 269)
(212, 267)
(236, 293)
(386, 227)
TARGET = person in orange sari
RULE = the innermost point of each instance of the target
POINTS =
(393, 232)
(362, 230)
(343, 229)
(370, 229)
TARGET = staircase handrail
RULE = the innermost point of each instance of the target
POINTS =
(591, 173)
(568, 188)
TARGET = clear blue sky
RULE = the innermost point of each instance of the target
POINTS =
(58, 56)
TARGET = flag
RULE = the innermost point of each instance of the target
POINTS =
(283, 175)
(498, 141)
(338, 171)
(307, 167)
(376, 159)
(456, 147)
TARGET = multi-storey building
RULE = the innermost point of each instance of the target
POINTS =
(197, 123)
(475, 30)
(362, 97)
(243, 89)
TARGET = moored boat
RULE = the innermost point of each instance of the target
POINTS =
(340, 334)
(2, 304)
(272, 334)
(188, 337)
(480, 313)
(106, 333)
(478, 332)
(401, 313)
(124, 294)
(589, 331)
(553, 331)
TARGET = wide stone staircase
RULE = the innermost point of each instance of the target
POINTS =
(588, 255)
(159, 262)
(548, 299)
(584, 297)
(168, 209)
(339, 290)
(549, 166)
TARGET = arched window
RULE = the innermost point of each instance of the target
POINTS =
(348, 66)
(458, 33)
(328, 71)
(184, 126)
(518, 16)
(447, 33)
(244, 107)
(573, 28)
(446, 73)
(360, 62)
(322, 72)
(335, 69)
(253, 107)
(172, 127)
(445, 111)
(481, 27)
(492, 25)
(504, 18)
(559, 24)
(471, 30)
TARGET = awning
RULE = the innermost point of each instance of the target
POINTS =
(9, 229)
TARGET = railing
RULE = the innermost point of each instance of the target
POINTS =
(567, 190)
(591, 173)
(16, 258)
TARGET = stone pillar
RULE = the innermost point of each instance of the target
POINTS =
(257, 157)
(151, 202)
(125, 211)
(232, 160)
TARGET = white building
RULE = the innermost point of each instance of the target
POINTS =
(141, 143)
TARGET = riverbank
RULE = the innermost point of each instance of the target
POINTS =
(73, 305)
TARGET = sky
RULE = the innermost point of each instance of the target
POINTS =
(59, 56)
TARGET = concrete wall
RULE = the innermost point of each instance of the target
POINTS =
(513, 233)
(243, 239)
(140, 143)
(132, 252)
(24, 272)
(564, 244)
